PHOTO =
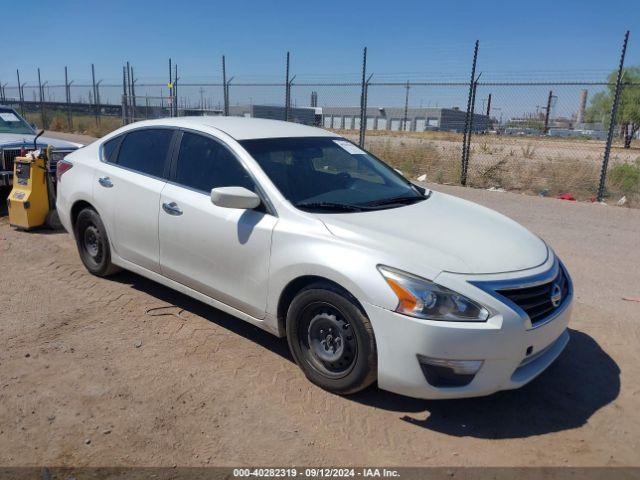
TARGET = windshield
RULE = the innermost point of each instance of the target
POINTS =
(330, 174)
(11, 122)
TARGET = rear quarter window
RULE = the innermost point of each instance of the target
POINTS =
(110, 148)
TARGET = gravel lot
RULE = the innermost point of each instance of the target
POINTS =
(123, 371)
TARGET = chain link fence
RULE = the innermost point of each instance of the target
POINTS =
(544, 138)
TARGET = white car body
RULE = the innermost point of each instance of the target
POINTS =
(242, 261)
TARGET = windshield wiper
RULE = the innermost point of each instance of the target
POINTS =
(402, 200)
(344, 207)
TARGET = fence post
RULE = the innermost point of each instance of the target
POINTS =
(463, 168)
(67, 92)
(612, 120)
(132, 82)
(95, 94)
(405, 116)
(547, 113)
(20, 99)
(175, 89)
(225, 88)
(170, 85)
(41, 90)
(363, 99)
(287, 91)
(98, 100)
(125, 100)
(472, 113)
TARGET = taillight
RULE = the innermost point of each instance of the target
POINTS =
(62, 167)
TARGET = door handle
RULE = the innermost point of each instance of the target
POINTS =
(172, 208)
(105, 182)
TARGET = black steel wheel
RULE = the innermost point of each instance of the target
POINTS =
(326, 340)
(331, 339)
(93, 243)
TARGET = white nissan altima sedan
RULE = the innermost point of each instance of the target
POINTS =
(300, 232)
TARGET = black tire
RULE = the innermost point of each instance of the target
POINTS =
(93, 243)
(332, 340)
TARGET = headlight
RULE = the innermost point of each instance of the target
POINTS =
(421, 298)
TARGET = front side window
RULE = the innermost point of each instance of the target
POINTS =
(204, 164)
(146, 150)
(330, 174)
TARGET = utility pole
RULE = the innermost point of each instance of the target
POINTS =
(489, 105)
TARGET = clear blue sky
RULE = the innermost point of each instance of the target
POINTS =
(323, 36)
(573, 40)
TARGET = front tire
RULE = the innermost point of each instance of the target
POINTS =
(332, 340)
(93, 243)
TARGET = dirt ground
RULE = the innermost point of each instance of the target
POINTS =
(123, 371)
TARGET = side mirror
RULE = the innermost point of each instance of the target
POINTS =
(234, 197)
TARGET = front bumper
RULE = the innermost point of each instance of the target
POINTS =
(513, 352)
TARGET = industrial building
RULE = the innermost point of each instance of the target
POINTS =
(378, 118)
(397, 119)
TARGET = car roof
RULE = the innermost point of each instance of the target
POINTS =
(241, 128)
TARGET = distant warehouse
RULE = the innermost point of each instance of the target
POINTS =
(378, 118)
(393, 118)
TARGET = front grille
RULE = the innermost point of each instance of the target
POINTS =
(536, 300)
(9, 155)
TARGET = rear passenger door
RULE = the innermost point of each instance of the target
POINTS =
(221, 252)
(127, 186)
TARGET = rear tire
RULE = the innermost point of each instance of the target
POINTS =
(332, 340)
(93, 243)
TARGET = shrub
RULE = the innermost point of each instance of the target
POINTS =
(625, 177)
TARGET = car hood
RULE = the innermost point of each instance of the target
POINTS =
(13, 139)
(443, 233)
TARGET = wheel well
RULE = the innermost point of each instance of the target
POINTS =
(77, 208)
(295, 286)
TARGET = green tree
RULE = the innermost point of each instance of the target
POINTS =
(628, 116)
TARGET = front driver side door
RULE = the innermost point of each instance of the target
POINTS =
(221, 252)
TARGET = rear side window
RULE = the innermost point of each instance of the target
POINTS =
(204, 164)
(146, 150)
(110, 148)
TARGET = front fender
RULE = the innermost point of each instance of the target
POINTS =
(319, 253)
